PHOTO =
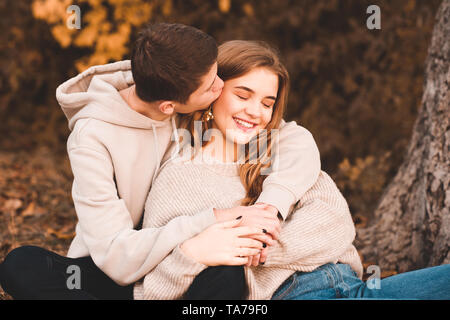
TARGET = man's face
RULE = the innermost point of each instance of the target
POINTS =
(209, 90)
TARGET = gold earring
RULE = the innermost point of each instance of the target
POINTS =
(208, 115)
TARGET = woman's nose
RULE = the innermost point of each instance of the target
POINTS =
(252, 108)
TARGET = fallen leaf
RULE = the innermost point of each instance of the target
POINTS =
(360, 221)
(12, 204)
(29, 211)
(59, 234)
(387, 273)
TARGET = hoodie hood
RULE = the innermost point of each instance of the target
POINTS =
(94, 93)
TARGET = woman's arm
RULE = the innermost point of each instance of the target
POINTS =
(220, 244)
(318, 231)
(170, 279)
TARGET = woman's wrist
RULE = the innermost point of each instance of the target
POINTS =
(222, 215)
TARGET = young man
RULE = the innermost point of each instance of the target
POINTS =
(121, 118)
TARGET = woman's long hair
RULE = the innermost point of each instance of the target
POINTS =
(235, 59)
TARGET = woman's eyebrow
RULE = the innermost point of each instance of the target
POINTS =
(251, 91)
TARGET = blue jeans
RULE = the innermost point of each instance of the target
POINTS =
(339, 281)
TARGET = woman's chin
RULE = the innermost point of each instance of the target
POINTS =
(241, 139)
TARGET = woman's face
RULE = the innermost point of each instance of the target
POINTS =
(245, 105)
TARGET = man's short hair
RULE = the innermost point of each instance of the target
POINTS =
(169, 60)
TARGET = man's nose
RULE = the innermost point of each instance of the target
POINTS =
(218, 85)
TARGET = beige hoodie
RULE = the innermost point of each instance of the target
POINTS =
(115, 153)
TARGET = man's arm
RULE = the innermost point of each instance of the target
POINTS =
(296, 168)
(121, 252)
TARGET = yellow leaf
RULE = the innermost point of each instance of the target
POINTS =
(95, 3)
(95, 17)
(62, 34)
(82, 64)
(135, 15)
(248, 9)
(52, 11)
(29, 210)
(87, 36)
(167, 8)
(344, 165)
(59, 234)
(224, 5)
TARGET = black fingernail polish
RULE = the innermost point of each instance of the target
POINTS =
(238, 217)
(264, 245)
(262, 262)
(264, 231)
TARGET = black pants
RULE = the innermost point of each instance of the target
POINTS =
(31, 272)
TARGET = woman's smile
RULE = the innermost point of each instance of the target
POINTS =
(244, 125)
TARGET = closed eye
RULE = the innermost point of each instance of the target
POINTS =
(245, 98)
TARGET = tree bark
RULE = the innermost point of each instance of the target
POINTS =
(411, 225)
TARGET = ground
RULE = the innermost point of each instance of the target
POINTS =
(35, 203)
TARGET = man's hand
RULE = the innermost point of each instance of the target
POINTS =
(268, 207)
(261, 258)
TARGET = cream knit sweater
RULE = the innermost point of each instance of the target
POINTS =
(320, 229)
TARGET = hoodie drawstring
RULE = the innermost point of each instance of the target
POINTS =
(175, 133)
(177, 144)
(155, 136)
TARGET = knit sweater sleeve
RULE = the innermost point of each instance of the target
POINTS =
(318, 231)
(170, 279)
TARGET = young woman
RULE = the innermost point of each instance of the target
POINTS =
(313, 257)
(215, 174)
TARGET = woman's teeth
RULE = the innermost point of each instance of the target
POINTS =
(244, 123)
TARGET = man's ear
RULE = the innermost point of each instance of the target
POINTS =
(167, 107)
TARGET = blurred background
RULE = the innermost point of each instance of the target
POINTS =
(357, 90)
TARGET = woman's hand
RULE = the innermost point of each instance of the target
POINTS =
(261, 258)
(224, 243)
(258, 215)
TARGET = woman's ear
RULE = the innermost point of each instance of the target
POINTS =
(167, 107)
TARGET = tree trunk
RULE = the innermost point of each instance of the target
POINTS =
(411, 225)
